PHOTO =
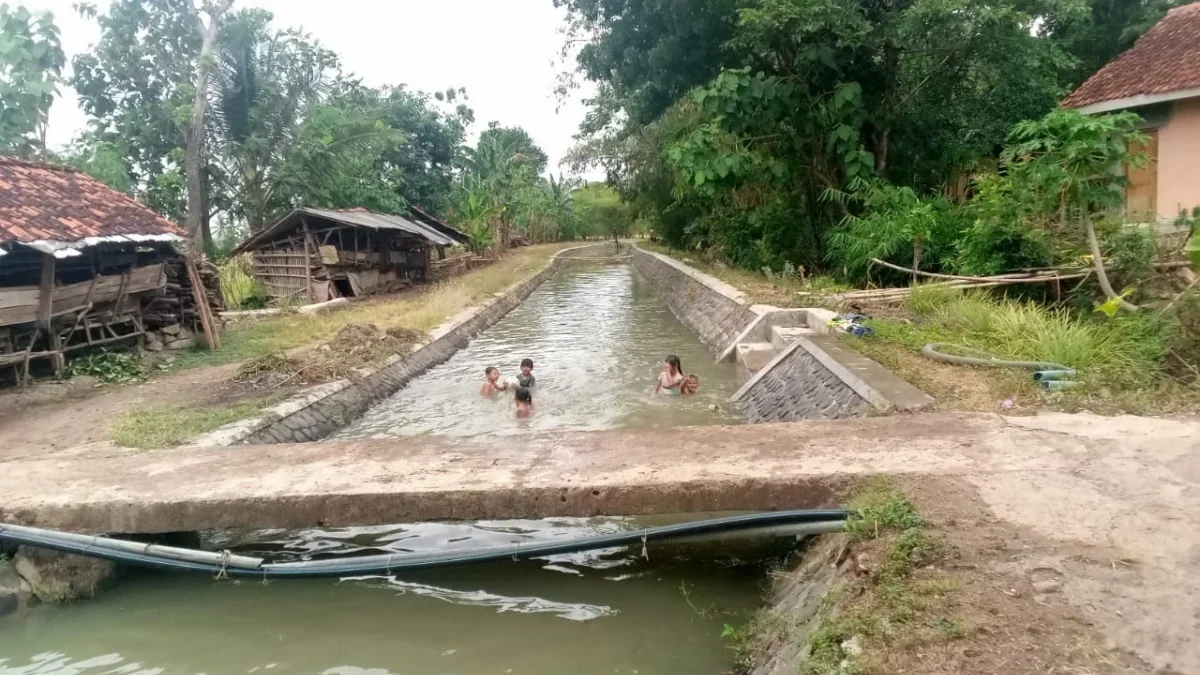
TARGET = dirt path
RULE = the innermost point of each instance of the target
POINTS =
(1111, 502)
(54, 417)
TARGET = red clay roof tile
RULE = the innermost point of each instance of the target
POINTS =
(40, 201)
(1165, 59)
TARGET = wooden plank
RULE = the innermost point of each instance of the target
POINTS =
(207, 321)
(46, 293)
(312, 296)
(20, 296)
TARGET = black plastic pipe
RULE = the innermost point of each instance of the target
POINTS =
(389, 563)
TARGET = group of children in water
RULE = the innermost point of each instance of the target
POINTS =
(671, 381)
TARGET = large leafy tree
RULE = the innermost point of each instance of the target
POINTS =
(31, 62)
(135, 84)
(806, 97)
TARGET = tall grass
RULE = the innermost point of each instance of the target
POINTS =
(1128, 348)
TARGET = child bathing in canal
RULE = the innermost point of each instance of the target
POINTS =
(524, 400)
(492, 382)
(526, 379)
(673, 382)
(671, 377)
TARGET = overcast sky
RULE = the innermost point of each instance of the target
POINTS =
(504, 52)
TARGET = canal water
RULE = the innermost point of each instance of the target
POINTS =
(599, 613)
(597, 334)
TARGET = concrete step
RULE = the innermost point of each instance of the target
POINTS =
(782, 336)
(754, 355)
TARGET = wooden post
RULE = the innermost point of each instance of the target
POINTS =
(312, 296)
(45, 315)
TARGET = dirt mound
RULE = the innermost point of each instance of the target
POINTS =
(355, 346)
(367, 340)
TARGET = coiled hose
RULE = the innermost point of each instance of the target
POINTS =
(797, 522)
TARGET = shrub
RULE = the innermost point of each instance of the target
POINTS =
(239, 287)
(108, 367)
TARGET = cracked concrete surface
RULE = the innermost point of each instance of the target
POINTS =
(1121, 494)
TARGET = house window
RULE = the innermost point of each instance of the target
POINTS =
(1141, 192)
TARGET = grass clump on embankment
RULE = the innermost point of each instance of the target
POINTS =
(1120, 360)
(421, 309)
(885, 605)
(166, 426)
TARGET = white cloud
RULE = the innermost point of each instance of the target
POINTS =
(505, 53)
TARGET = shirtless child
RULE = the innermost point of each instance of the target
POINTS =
(492, 382)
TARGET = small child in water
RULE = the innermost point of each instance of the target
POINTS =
(524, 402)
(689, 385)
(526, 378)
(492, 382)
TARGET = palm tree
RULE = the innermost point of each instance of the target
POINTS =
(262, 87)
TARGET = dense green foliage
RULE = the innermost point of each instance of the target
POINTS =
(285, 127)
(822, 133)
(31, 62)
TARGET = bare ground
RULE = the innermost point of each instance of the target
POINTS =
(52, 416)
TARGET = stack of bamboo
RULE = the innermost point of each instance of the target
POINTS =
(1030, 276)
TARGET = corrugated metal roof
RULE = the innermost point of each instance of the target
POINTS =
(60, 210)
(351, 217)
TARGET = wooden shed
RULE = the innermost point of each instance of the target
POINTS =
(82, 266)
(315, 255)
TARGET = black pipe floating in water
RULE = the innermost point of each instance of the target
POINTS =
(118, 551)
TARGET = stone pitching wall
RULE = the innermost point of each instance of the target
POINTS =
(715, 310)
(800, 387)
(320, 411)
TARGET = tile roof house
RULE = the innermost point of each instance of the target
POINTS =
(1159, 79)
(60, 211)
(83, 267)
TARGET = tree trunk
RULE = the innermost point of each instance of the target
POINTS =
(1101, 274)
(883, 139)
(916, 259)
(194, 132)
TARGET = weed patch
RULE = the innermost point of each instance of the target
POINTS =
(167, 426)
(108, 367)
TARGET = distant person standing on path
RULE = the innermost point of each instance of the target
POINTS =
(671, 377)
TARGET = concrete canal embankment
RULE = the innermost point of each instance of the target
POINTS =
(796, 370)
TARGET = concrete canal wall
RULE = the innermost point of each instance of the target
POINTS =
(717, 311)
(815, 376)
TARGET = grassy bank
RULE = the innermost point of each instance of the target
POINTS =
(920, 585)
(165, 426)
(1124, 362)
(1121, 361)
(420, 309)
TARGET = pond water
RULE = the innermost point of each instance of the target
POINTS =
(597, 334)
(605, 612)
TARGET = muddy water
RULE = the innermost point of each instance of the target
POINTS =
(598, 613)
(597, 335)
